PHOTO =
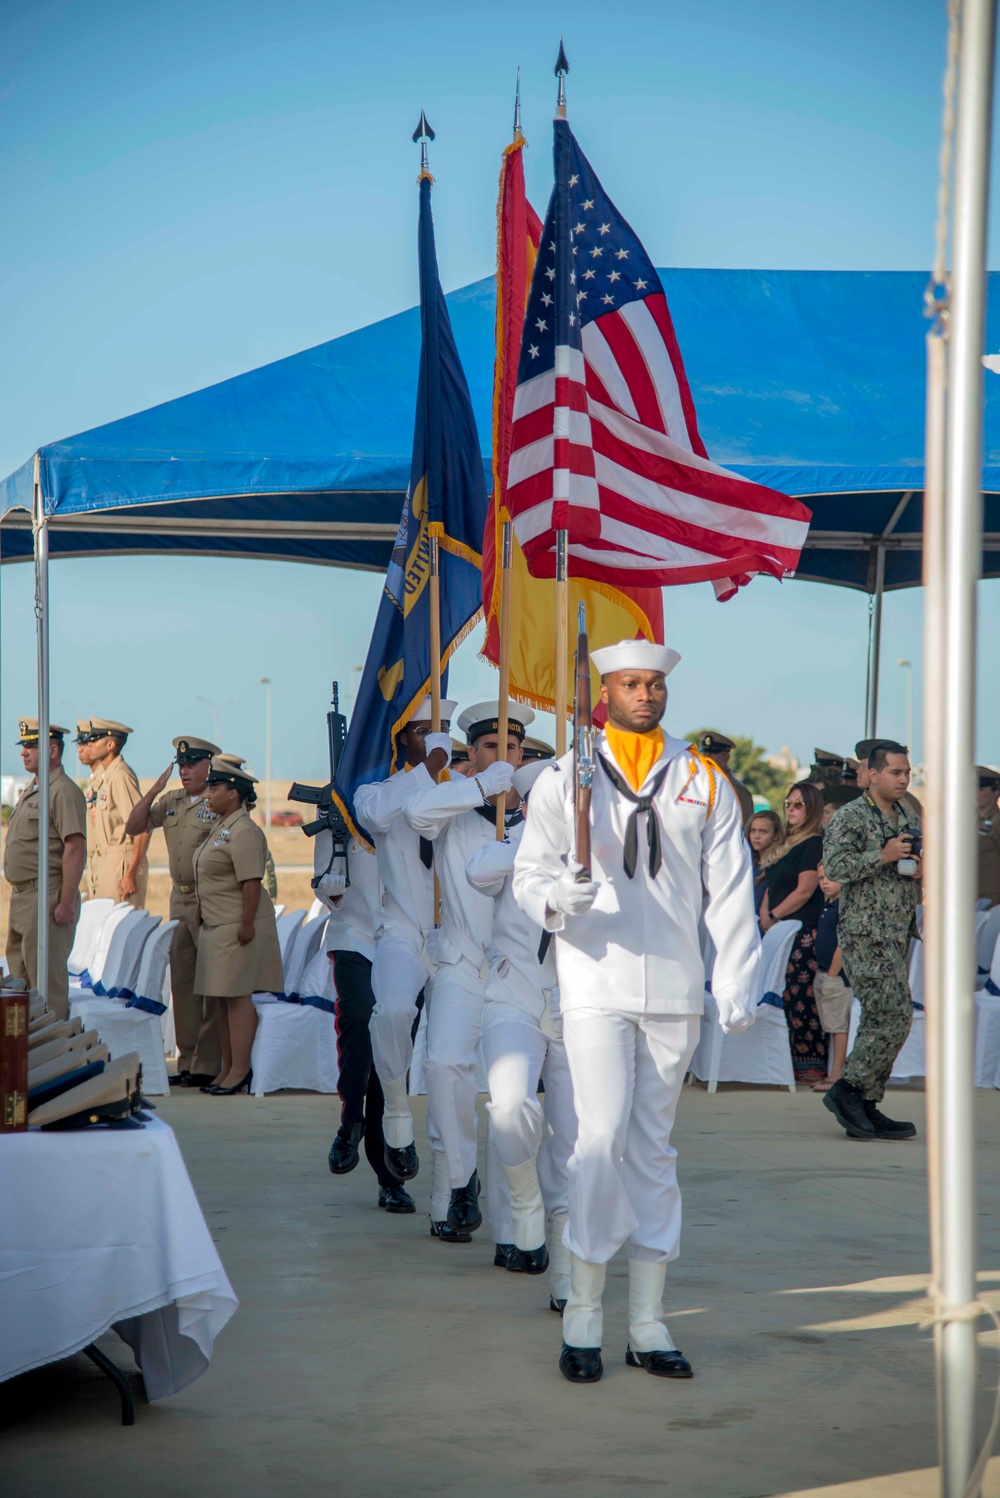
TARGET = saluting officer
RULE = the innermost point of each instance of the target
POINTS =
(186, 819)
(117, 866)
(67, 856)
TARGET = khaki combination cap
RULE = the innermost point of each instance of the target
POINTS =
(236, 760)
(987, 776)
(188, 748)
(84, 735)
(28, 729)
(537, 749)
(711, 740)
(102, 728)
(224, 772)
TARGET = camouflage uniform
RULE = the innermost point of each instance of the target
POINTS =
(877, 919)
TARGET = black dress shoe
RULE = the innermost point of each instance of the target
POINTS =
(402, 1163)
(581, 1365)
(532, 1260)
(196, 1079)
(888, 1128)
(503, 1257)
(395, 1199)
(848, 1108)
(556, 1305)
(344, 1153)
(661, 1364)
(243, 1086)
(177, 1080)
(463, 1208)
(447, 1234)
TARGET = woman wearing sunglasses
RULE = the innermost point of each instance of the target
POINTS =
(791, 870)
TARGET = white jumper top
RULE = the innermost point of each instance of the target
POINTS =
(637, 950)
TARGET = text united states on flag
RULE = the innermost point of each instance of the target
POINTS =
(605, 441)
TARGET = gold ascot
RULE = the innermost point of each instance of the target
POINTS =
(28, 730)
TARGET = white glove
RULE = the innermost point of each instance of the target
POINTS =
(438, 741)
(496, 779)
(330, 889)
(569, 896)
(733, 1018)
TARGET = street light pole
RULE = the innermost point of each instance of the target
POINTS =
(908, 666)
(265, 682)
(216, 710)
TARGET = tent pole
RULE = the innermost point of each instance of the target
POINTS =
(41, 539)
(954, 700)
(871, 728)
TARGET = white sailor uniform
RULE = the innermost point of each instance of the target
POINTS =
(631, 979)
(522, 1041)
(405, 921)
(447, 816)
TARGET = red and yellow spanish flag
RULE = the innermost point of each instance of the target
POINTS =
(612, 613)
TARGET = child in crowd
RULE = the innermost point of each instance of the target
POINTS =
(763, 830)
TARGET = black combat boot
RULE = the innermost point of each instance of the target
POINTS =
(848, 1107)
(888, 1128)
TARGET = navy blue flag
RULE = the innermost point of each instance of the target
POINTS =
(447, 492)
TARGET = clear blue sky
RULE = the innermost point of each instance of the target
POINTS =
(195, 189)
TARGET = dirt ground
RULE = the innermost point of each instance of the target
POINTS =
(367, 1358)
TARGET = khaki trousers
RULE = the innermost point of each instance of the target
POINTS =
(106, 870)
(22, 946)
(196, 1018)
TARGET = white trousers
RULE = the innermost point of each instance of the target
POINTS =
(398, 975)
(454, 1030)
(517, 1052)
(627, 1073)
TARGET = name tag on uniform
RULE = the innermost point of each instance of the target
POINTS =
(170, 813)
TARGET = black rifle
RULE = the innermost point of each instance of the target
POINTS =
(329, 817)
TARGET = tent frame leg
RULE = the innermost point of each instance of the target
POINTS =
(40, 526)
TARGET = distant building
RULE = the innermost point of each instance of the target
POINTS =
(786, 762)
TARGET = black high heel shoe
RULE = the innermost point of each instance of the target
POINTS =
(243, 1086)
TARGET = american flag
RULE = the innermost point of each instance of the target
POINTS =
(605, 442)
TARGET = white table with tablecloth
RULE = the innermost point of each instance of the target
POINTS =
(101, 1228)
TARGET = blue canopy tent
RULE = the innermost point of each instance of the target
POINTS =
(809, 381)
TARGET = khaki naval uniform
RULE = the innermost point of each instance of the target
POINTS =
(186, 823)
(111, 795)
(67, 815)
(235, 853)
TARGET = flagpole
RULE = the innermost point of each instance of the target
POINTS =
(503, 721)
(562, 536)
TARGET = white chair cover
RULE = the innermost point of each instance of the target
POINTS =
(986, 940)
(288, 924)
(762, 1055)
(123, 1030)
(296, 1043)
(988, 1027)
(302, 951)
(102, 947)
(316, 908)
(93, 914)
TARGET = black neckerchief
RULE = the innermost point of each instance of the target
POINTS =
(426, 852)
(640, 804)
(489, 814)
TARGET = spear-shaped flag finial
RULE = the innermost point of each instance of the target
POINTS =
(561, 69)
(423, 134)
(517, 106)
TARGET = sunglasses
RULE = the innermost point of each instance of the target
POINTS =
(790, 804)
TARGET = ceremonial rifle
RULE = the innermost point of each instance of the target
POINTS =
(583, 747)
(329, 817)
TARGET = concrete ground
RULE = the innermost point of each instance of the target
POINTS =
(368, 1359)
